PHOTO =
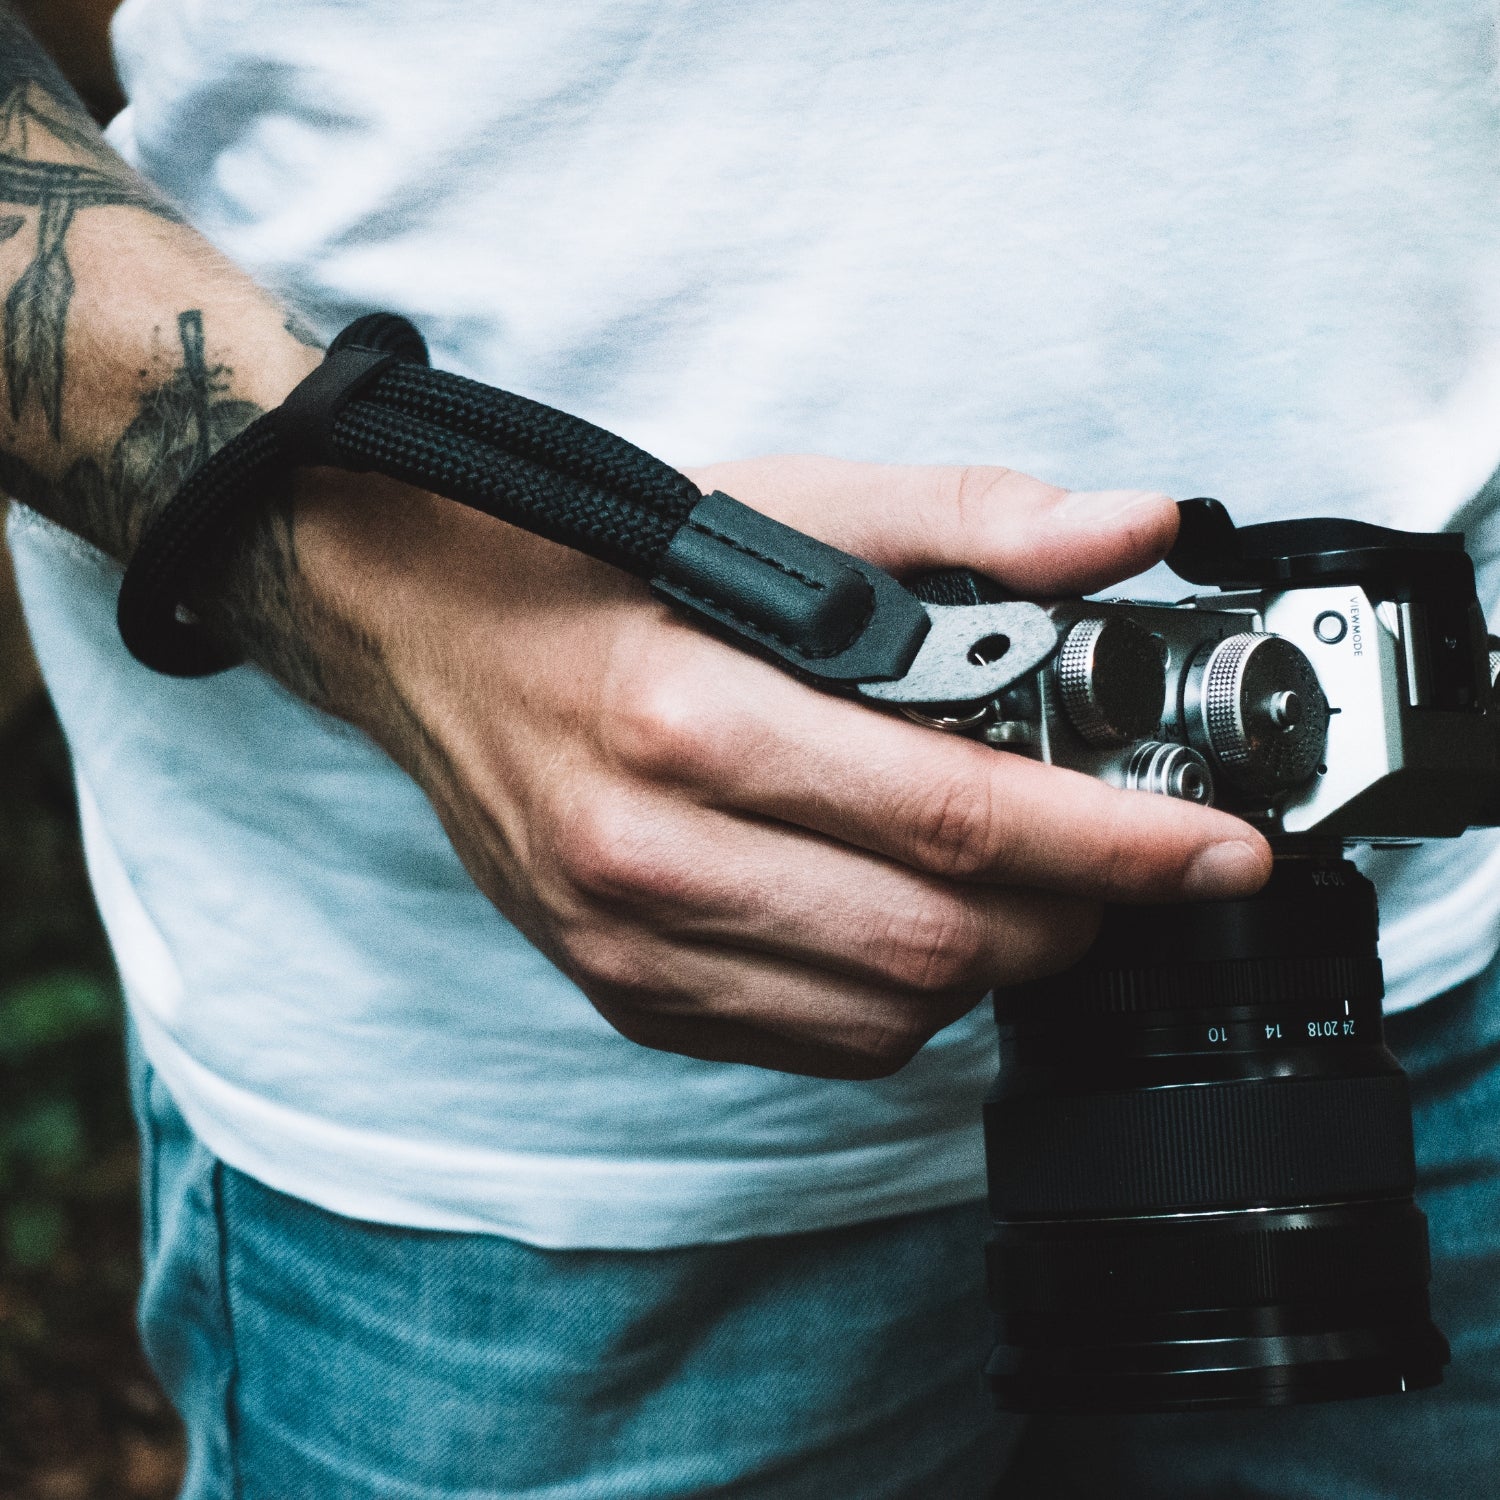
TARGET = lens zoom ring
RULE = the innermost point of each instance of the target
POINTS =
(1201, 1265)
(1188, 986)
(1222, 1145)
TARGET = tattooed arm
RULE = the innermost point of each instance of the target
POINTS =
(729, 864)
(130, 350)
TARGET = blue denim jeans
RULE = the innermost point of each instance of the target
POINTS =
(319, 1357)
(315, 1357)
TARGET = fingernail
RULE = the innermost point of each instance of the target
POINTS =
(1234, 868)
(1090, 507)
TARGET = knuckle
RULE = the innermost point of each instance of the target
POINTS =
(957, 828)
(933, 947)
(972, 491)
(593, 844)
(612, 855)
(989, 503)
(612, 965)
(661, 729)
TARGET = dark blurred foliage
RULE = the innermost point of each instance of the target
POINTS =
(76, 33)
(80, 1416)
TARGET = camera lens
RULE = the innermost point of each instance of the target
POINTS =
(1200, 1164)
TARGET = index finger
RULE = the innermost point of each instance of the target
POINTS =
(758, 742)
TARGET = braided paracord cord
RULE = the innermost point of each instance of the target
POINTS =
(378, 406)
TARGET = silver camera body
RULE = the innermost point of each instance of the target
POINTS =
(1337, 682)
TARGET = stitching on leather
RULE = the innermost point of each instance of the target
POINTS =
(719, 611)
(772, 562)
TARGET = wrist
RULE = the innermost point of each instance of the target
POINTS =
(346, 596)
(300, 593)
(417, 618)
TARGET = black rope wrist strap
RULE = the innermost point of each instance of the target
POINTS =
(374, 404)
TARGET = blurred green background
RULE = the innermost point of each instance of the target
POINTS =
(80, 1415)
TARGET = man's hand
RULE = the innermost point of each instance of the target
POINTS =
(729, 863)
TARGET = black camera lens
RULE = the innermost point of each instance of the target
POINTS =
(1200, 1164)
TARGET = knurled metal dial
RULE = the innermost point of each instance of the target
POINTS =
(1262, 712)
(1170, 771)
(1112, 678)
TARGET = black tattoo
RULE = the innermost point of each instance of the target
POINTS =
(33, 97)
(177, 425)
(111, 496)
(180, 424)
(35, 92)
(251, 598)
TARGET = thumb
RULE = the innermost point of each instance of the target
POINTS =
(1033, 537)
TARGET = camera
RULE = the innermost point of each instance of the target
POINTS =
(1199, 1147)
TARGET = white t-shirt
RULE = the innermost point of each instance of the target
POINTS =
(1251, 251)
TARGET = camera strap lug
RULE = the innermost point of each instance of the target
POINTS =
(972, 651)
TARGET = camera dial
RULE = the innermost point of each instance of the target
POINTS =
(1254, 706)
(1112, 677)
(1170, 771)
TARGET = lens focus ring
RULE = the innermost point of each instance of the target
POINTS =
(1200, 1146)
(1184, 1216)
(1292, 1257)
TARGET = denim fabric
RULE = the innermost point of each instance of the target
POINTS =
(315, 1357)
(1442, 1444)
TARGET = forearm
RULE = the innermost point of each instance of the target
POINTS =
(129, 351)
(728, 864)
